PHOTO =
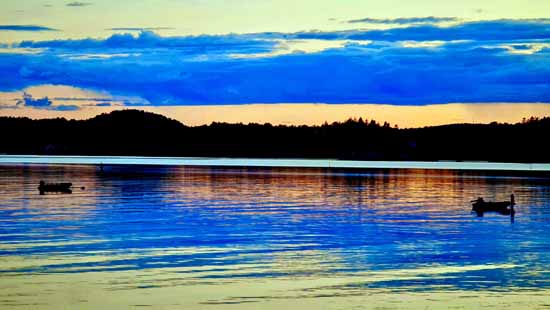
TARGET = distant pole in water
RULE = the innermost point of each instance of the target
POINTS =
(512, 211)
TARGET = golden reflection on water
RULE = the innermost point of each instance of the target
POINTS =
(194, 238)
(423, 190)
(171, 289)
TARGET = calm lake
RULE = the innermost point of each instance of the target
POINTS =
(271, 238)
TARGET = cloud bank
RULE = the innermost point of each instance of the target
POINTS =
(486, 61)
(140, 28)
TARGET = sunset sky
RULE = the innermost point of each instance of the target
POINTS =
(413, 63)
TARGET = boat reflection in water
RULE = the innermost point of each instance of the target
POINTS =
(190, 238)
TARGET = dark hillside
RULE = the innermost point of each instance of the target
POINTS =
(133, 132)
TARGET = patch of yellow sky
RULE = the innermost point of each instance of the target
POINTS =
(316, 114)
(284, 113)
(195, 17)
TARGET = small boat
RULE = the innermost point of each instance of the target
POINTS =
(503, 207)
(54, 188)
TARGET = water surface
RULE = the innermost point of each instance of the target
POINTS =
(201, 238)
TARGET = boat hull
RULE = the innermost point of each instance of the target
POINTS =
(502, 207)
(64, 188)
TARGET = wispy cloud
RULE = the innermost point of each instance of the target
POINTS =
(405, 20)
(478, 31)
(203, 44)
(43, 103)
(140, 28)
(78, 4)
(25, 28)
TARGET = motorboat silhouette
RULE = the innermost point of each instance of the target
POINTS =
(503, 207)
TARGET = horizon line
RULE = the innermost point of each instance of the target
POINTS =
(271, 163)
(351, 118)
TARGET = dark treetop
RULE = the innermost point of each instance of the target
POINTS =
(134, 132)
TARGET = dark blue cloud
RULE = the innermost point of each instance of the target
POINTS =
(521, 47)
(405, 20)
(172, 71)
(43, 103)
(25, 28)
(28, 100)
(352, 74)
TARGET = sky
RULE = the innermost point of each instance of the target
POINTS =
(414, 63)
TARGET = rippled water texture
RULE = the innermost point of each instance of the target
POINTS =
(203, 238)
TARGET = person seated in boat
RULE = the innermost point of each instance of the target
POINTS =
(480, 200)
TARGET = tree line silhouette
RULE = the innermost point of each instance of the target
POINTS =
(134, 132)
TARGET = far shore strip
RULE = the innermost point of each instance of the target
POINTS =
(261, 162)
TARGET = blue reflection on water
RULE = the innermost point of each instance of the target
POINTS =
(134, 218)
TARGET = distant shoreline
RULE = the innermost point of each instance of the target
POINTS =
(275, 163)
(140, 133)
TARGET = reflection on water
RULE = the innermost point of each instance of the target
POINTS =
(271, 238)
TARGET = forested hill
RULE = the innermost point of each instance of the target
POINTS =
(134, 132)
